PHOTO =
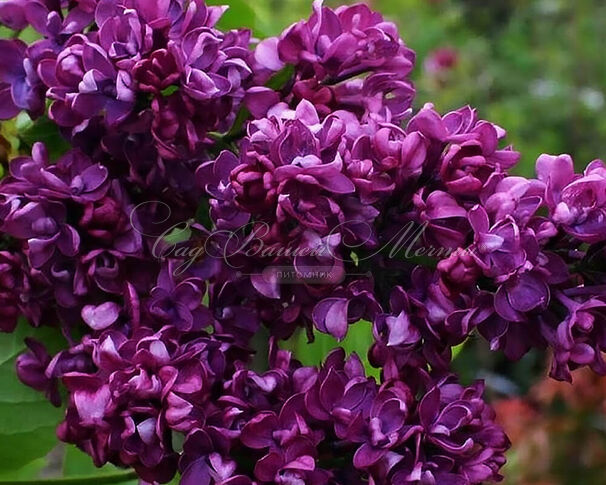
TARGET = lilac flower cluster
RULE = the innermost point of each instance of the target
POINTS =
(410, 221)
(348, 58)
(151, 81)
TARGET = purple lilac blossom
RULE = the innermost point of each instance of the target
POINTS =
(349, 58)
(334, 163)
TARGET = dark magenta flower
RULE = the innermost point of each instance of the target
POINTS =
(201, 462)
(214, 177)
(84, 83)
(12, 14)
(73, 176)
(20, 86)
(43, 225)
(178, 301)
(460, 435)
(444, 220)
(580, 338)
(157, 72)
(57, 24)
(108, 220)
(31, 370)
(388, 426)
(123, 34)
(576, 202)
(396, 328)
(341, 395)
(348, 58)
(15, 291)
(345, 306)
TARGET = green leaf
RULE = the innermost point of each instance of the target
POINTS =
(26, 473)
(457, 350)
(76, 463)
(27, 420)
(25, 417)
(122, 478)
(27, 35)
(21, 449)
(169, 90)
(281, 78)
(239, 15)
(358, 339)
(178, 235)
(46, 131)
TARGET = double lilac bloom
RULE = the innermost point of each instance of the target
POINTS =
(299, 152)
(348, 58)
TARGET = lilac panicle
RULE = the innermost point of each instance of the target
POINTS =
(413, 219)
(348, 58)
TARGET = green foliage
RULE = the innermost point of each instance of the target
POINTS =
(359, 339)
(45, 131)
(281, 78)
(28, 423)
(27, 419)
(241, 14)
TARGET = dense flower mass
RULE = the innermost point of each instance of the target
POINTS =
(348, 58)
(222, 193)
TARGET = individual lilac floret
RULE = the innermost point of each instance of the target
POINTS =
(12, 14)
(20, 86)
(579, 339)
(461, 443)
(348, 58)
(31, 369)
(202, 461)
(345, 306)
(177, 301)
(84, 83)
(73, 176)
(577, 202)
(388, 427)
(43, 225)
(214, 177)
(55, 22)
